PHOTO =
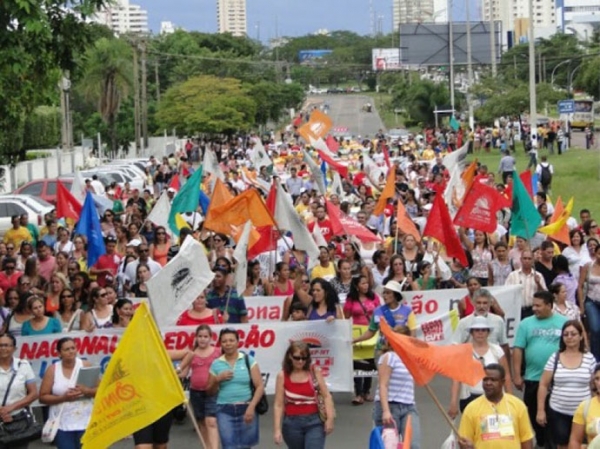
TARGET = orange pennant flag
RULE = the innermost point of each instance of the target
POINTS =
(220, 195)
(389, 191)
(317, 127)
(408, 432)
(246, 206)
(405, 224)
(468, 175)
(424, 361)
(559, 220)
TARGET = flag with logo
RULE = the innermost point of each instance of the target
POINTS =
(139, 386)
(173, 289)
(317, 127)
(479, 208)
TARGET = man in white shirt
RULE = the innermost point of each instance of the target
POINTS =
(531, 280)
(143, 252)
(97, 186)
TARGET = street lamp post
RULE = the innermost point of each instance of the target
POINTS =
(554, 70)
(571, 75)
(532, 93)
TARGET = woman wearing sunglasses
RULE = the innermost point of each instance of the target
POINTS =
(296, 415)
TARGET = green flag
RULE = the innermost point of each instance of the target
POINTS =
(187, 199)
(525, 218)
(454, 124)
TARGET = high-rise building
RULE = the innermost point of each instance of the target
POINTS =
(413, 11)
(579, 17)
(123, 17)
(231, 17)
(514, 15)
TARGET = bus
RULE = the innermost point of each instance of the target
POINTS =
(583, 116)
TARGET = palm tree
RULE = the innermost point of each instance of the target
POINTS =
(107, 79)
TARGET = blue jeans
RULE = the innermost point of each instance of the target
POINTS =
(303, 432)
(400, 413)
(233, 431)
(68, 439)
(592, 311)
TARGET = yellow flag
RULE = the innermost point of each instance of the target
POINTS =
(558, 225)
(139, 386)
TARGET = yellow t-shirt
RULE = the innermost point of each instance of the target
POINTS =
(496, 426)
(591, 422)
(325, 273)
(16, 236)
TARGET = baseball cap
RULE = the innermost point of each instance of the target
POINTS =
(135, 243)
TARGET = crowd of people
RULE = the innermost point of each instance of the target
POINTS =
(47, 287)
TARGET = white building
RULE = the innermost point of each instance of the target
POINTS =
(231, 17)
(167, 27)
(579, 17)
(413, 11)
(123, 17)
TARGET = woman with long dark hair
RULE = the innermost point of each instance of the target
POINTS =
(325, 304)
(296, 411)
(359, 306)
(159, 249)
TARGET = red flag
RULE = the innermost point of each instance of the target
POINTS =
(386, 155)
(337, 166)
(66, 204)
(479, 207)
(342, 224)
(332, 144)
(174, 183)
(526, 178)
(271, 200)
(266, 242)
(439, 226)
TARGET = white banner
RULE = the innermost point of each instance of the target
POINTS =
(329, 343)
(264, 308)
(437, 311)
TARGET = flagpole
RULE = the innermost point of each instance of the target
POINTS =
(441, 409)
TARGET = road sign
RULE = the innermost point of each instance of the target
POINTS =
(566, 107)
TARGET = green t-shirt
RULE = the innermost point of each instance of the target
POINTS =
(118, 207)
(539, 338)
(236, 389)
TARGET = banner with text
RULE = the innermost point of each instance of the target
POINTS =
(329, 343)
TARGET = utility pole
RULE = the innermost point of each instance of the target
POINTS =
(136, 99)
(532, 93)
(157, 80)
(144, 109)
(493, 40)
(451, 54)
(469, 66)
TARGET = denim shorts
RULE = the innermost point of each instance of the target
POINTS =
(233, 431)
(203, 404)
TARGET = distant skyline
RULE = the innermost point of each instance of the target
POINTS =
(294, 18)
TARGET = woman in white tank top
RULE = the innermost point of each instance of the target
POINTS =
(72, 402)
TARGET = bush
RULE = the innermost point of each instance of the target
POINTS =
(42, 128)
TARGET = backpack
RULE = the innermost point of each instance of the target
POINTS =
(546, 175)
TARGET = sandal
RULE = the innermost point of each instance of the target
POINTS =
(368, 398)
(358, 400)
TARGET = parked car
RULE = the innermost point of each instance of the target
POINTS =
(43, 188)
(18, 204)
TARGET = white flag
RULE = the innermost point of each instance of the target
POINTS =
(454, 189)
(287, 218)
(260, 157)
(173, 289)
(316, 172)
(159, 215)
(322, 146)
(336, 185)
(318, 236)
(456, 158)
(78, 187)
(241, 256)
(211, 165)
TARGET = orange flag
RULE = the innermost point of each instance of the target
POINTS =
(317, 127)
(388, 191)
(408, 431)
(405, 224)
(424, 361)
(559, 220)
(468, 175)
(236, 212)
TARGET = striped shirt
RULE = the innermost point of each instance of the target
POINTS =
(401, 387)
(571, 385)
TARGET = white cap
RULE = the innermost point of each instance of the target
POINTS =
(394, 286)
(135, 243)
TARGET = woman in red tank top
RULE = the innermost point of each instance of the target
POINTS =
(296, 412)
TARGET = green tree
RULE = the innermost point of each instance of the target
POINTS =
(419, 99)
(107, 80)
(207, 104)
(38, 39)
(588, 78)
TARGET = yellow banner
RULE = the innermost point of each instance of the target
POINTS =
(365, 349)
(139, 386)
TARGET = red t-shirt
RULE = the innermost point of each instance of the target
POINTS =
(326, 228)
(300, 397)
(200, 367)
(186, 320)
(107, 261)
(7, 282)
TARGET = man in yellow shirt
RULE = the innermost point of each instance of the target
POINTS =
(495, 420)
(17, 233)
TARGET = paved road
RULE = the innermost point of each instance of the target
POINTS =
(346, 111)
(352, 427)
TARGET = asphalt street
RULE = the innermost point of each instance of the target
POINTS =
(346, 112)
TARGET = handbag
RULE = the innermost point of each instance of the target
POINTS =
(263, 405)
(391, 437)
(319, 397)
(23, 428)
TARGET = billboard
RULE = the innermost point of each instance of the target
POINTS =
(309, 55)
(426, 44)
(386, 59)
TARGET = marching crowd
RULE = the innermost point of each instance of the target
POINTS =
(47, 287)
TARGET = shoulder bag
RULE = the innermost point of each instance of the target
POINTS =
(51, 426)
(263, 405)
(318, 396)
(23, 428)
